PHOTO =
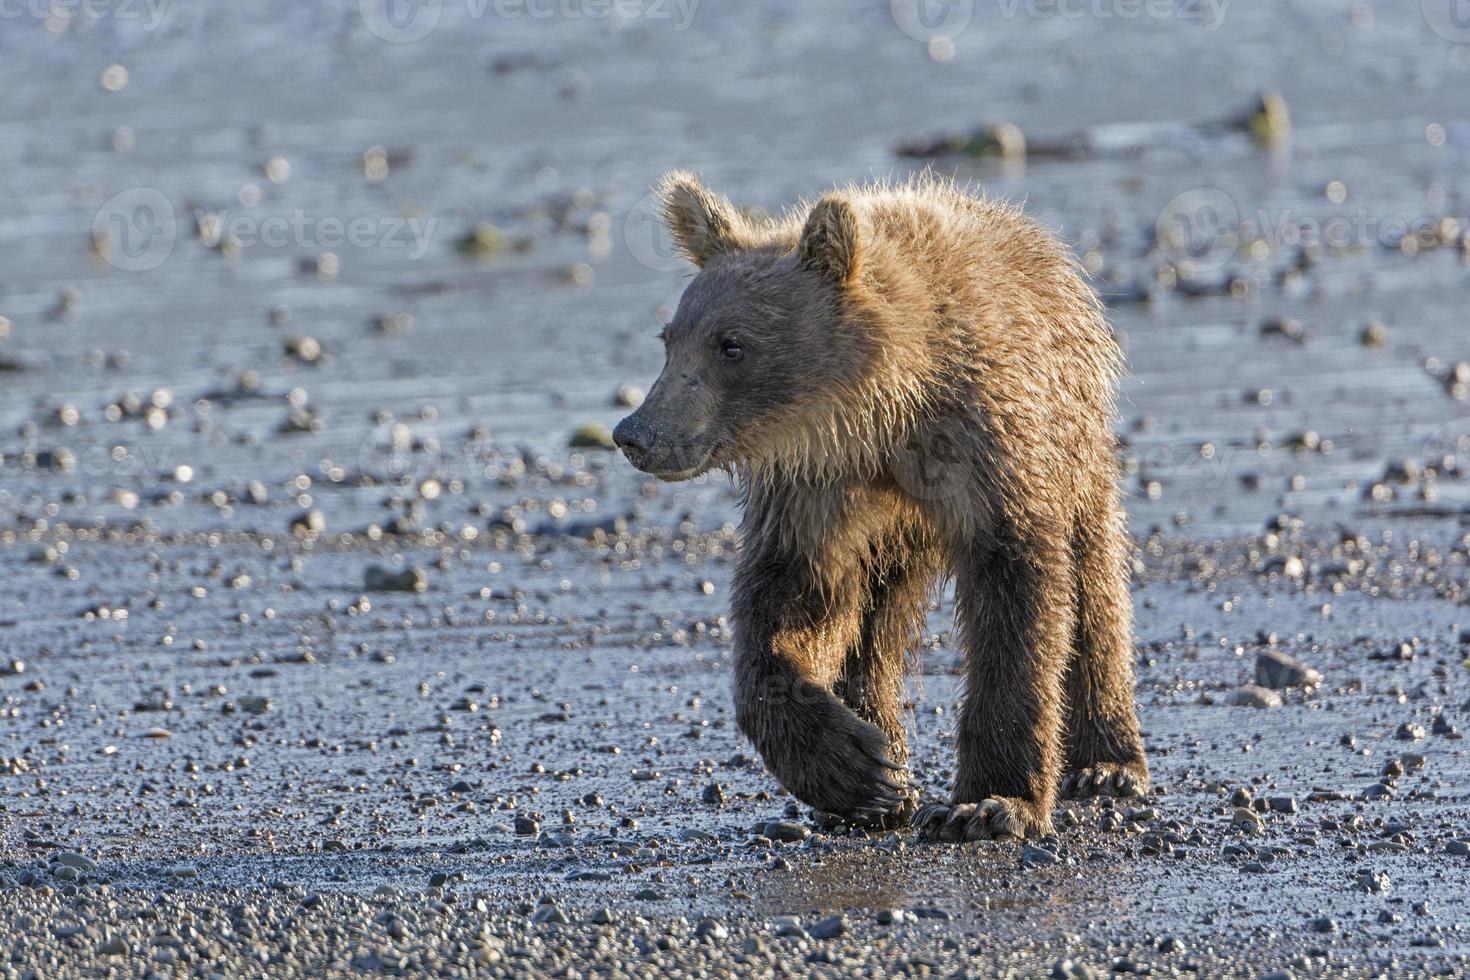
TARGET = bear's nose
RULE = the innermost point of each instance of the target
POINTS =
(633, 436)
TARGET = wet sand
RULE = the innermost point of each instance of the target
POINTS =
(220, 751)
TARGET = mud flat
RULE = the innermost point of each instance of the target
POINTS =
(331, 641)
(241, 761)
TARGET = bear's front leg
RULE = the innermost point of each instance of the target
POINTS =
(790, 638)
(1015, 614)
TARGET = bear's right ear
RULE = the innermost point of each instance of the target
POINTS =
(703, 223)
(832, 240)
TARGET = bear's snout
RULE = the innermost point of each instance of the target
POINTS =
(635, 438)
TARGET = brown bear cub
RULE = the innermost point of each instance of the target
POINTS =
(908, 383)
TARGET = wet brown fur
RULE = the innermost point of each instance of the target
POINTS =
(930, 392)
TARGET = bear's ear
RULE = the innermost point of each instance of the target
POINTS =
(703, 223)
(832, 240)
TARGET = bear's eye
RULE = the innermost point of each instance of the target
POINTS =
(731, 350)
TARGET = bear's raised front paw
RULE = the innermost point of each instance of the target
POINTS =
(850, 775)
(1123, 779)
(888, 820)
(990, 819)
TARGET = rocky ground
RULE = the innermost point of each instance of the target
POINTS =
(225, 755)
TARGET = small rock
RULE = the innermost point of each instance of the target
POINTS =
(71, 859)
(1246, 819)
(1276, 671)
(1283, 804)
(1254, 696)
(711, 929)
(1035, 856)
(380, 579)
(786, 831)
(1459, 848)
(1323, 924)
(592, 437)
(254, 705)
(549, 914)
(829, 928)
(1373, 882)
(1410, 732)
(308, 522)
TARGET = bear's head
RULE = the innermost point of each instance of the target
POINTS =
(764, 339)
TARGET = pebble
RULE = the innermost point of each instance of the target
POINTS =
(1254, 696)
(549, 914)
(1282, 804)
(71, 859)
(700, 836)
(1277, 671)
(1035, 856)
(1246, 819)
(1373, 882)
(828, 928)
(592, 437)
(1459, 848)
(786, 831)
(380, 579)
(309, 522)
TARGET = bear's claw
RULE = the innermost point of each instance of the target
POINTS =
(1122, 779)
(994, 818)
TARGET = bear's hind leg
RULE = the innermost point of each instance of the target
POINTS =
(1015, 612)
(1104, 747)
